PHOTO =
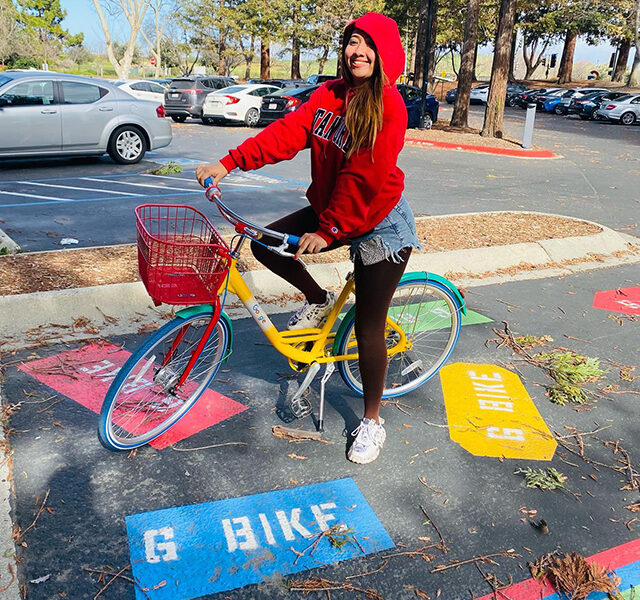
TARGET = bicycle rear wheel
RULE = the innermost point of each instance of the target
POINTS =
(429, 314)
(143, 401)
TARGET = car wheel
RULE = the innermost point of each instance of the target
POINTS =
(179, 118)
(127, 145)
(628, 118)
(558, 111)
(252, 117)
(208, 120)
(511, 102)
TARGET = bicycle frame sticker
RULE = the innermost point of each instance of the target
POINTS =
(189, 551)
(490, 413)
(85, 374)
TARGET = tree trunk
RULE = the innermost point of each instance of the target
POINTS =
(432, 44)
(566, 64)
(421, 38)
(494, 113)
(222, 62)
(512, 57)
(530, 60)
(475, 62)
(322, 61)
(265, 59)
(623, 58)
(248, 59)
(634, 76)
(461, 109)
(295, 47)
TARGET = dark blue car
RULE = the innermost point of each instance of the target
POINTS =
(412, 97)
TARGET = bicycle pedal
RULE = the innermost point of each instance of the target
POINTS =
(300, 407)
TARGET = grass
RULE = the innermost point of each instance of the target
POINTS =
(544, 479)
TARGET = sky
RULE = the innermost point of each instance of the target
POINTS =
(82, 17)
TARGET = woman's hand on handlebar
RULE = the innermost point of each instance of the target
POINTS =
(216, 172)
(311, 243)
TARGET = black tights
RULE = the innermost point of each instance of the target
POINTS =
(375, 285)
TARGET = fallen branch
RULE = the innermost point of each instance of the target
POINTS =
(318, 584)
(486, 558)
(297, 435)
(40, 511)
(443, 544)
(207, 447)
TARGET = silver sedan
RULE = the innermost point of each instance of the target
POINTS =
(625, 109)
(46, 114)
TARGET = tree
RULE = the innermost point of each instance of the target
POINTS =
(9, 44)
(461, 109)
(134, 12)
(634, 76)
(494, 112)
(42, 20)
(163, 13)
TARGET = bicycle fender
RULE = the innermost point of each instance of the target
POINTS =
(208, 309)
(406, 277)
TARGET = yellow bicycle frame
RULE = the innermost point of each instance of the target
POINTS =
(294, 344)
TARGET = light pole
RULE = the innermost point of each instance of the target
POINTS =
(427, 55)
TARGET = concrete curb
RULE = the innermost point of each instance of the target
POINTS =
(8, 243)
(512, 152)
(56, 316)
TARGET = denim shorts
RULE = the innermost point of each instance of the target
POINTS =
(394, 233)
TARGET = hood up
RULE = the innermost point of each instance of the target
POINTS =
(386, 37)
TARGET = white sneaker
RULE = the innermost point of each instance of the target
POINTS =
(311, 316)
(369, 440)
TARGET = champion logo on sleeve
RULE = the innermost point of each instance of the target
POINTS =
(335, 230)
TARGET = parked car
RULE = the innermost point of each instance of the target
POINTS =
(281, 83)
(143, 89)
(625, 109)
(527, 97)
(541, 97)
(573, 94)
(236, 103)
(482, 91)
(46, 113)
(451, 96)
(587, 106)
(185, 95)
(277, 104)
(479, 94)
(576, 101)
(412, 97)
(320, 78)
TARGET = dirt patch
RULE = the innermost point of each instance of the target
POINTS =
(440, 132)
(83, 267)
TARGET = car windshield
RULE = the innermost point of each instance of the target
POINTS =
(232, 89)
(591, 96)
(557, 93)
(624, 98)
(290, 91)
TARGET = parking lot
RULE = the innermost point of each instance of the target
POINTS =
(233, 512)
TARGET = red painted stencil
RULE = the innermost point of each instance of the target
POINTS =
(85, 374)
(624, 300)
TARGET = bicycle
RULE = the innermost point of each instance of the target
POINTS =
(184, 261)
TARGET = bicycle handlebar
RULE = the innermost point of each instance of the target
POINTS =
(241, 224)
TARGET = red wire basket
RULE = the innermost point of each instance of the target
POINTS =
(181, 257)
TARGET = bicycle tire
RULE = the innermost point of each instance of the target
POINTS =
(128, 408)
(432, 322)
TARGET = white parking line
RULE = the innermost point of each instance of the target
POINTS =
(147, 185)
(183, 179)
(36, 196)
(71, 187)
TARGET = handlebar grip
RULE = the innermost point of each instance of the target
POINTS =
(294, 240)
(208, 181)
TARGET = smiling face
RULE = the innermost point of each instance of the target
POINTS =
(360, 56)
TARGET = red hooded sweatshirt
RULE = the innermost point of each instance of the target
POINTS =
(350, 196)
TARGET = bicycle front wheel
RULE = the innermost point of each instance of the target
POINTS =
(144, 400)
(429, 315)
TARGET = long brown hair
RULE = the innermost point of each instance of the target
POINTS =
(363, 117)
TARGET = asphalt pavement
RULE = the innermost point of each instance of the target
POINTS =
(100, 506)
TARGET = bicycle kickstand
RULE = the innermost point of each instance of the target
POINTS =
(300, 406)
(330, 368)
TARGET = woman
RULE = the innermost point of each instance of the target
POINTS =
(355, 129)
